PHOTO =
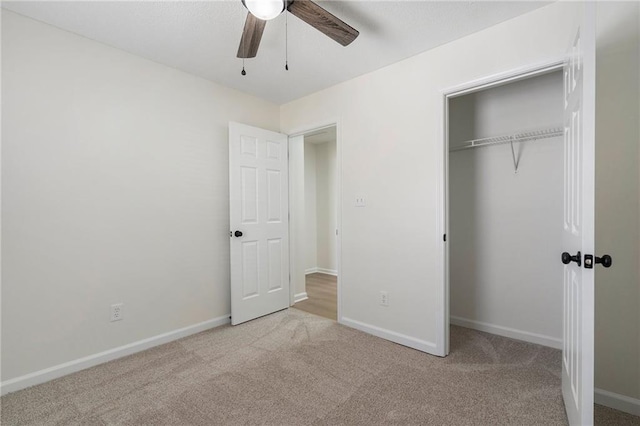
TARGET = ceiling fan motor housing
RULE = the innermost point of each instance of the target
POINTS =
(265, 9)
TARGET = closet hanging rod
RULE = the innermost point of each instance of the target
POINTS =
(514, 137)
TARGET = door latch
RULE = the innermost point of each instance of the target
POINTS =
(605, 261)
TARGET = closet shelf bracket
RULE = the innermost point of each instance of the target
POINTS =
(516, 159)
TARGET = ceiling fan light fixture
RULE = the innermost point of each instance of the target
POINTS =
(265, 9)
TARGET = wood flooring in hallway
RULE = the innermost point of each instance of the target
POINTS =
(323, 296)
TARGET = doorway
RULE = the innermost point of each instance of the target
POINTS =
(314, 222)
(489, 124)
(506, 209)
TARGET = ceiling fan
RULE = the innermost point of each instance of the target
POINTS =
(260, 11)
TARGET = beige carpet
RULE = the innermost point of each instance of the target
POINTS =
(294, 368)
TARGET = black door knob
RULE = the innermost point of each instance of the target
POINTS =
(605, 260)
(238, 233)
(567, 258)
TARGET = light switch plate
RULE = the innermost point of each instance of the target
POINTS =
(360, 202)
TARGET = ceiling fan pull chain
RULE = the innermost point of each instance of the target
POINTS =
(286, 40)
(243, 72)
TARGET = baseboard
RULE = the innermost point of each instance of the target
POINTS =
(617, 401)
(300, 297)
(328, 271)
(402, 339)
(317, 270)
(512, 333)
(66, 368)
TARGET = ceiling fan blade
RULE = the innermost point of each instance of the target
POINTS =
(323, 21)
(251, 36)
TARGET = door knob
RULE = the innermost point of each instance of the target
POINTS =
(605, 261)
(567, 258)
(238, 233)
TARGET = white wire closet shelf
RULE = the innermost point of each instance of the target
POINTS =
(550, 132)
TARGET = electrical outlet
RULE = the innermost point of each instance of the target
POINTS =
(360, 202)
(384, 298)
(117, 311)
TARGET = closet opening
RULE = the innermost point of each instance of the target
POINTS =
(504, 185)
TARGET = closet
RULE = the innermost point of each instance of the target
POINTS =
(506, 209)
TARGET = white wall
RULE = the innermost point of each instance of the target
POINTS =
(617, 340)
(310, 203)
(320, 206)
(525, 105)
(506, 228)
(326, 213)
(114, 189)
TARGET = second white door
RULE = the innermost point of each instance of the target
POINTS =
(579, 222)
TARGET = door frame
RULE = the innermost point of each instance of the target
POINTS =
(499, 79)
(301, 132)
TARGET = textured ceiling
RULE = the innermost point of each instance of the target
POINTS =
(202, 38)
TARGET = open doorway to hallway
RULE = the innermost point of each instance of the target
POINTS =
(320, 225)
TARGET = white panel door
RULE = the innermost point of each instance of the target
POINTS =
(259, 209)
(578, 234)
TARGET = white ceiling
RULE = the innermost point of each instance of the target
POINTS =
(202, 37)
